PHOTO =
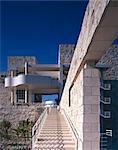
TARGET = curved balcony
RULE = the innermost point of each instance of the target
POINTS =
(32, 80)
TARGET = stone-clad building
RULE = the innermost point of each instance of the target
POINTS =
(20, 101)
(88, 100)
(109, 97)
(107, 79)
(15, 113)
(66, 52)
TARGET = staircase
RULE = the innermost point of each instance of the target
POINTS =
(55, 133)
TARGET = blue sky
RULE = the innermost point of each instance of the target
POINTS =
(37, 28)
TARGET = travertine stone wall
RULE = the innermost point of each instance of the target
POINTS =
(92, 17)
(15, 113)
(15, 61)
(84, 108)
(66, 52)
(110, 58)
(91, 99)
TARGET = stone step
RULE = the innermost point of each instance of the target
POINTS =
(58, 145)
(66, 138)
(55, 142)
(55, 134)
(51, 126)
(46, 130)
(37, 148)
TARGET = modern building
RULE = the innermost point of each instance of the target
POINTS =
(88, 99)
(108, 67)
(108, 87)
(25, 83)
(87, 85)
(28, 81)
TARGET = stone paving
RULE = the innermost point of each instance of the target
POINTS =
(55, 134)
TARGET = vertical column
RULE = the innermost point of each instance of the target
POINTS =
(15, 96)
(91, 107)
(26, 68)
(12, 96)
(12, 73)
(30, 96)
(26, 96)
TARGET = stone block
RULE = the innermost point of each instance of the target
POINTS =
(95, 108)
(91, 81)
(91, 118)
(95, 127)
(87, 72)
(87, 127)
(95, 145)
(95, 90)
(87, 108)
(87, 91)
(91, 136)
(95, 73)
(87, 145)
(91, 100)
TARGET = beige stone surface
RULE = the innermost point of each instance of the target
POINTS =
(15, 113)
(84, 109)
(56, 135)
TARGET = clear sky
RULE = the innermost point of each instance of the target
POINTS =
(37, 28)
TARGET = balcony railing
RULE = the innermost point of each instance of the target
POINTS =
(105, 114)
(105, 86)
(109, 132)
(106, 100)
(103, 141)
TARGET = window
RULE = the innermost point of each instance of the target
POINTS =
(107, 86)
(37, 97)
(20, 96)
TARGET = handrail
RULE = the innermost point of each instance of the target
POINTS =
(38, 125)
(74, 131)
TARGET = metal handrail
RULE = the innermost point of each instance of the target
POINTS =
(106, 100)
(74, 131)
(105, 114)
(38, 125)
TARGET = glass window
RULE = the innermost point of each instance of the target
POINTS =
(20, 96)
(37, 97)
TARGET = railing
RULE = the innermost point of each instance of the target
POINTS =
(73, 130)
(106, 114)
(109, 132)
(37, 127)
(103, 141)
(105, 86)
(106, 100)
